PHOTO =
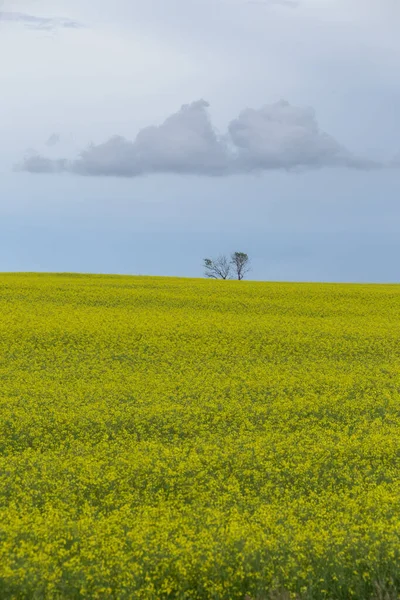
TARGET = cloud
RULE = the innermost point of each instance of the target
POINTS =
(35, 163)
(53, 140)
(185, 143)
(276, 136)
(266, 3)
(282, 136)
(286, 3)
(33, 22)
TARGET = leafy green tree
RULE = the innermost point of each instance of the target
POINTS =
(241, 264)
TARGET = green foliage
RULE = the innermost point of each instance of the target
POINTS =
(196, 439)
(241, 264)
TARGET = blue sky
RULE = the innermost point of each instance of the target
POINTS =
(292, 159)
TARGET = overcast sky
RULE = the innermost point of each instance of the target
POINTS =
(141, 136)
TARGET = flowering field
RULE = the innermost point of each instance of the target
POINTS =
(195, 439)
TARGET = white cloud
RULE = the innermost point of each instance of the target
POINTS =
(137, 60)
(276, 136)
(35, 22)
(282, 136)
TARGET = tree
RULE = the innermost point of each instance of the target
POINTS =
(218, 268)
(221, 267)
(241, 264)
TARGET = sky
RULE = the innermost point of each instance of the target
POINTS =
(140, 137)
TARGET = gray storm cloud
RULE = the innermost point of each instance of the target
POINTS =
(33, 22)
(276, 136)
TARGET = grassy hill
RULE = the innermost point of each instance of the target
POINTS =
(177, 438)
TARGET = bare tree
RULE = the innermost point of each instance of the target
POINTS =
(218, 268)
(241, 264)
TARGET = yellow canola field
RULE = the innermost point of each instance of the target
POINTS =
(195, 439)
